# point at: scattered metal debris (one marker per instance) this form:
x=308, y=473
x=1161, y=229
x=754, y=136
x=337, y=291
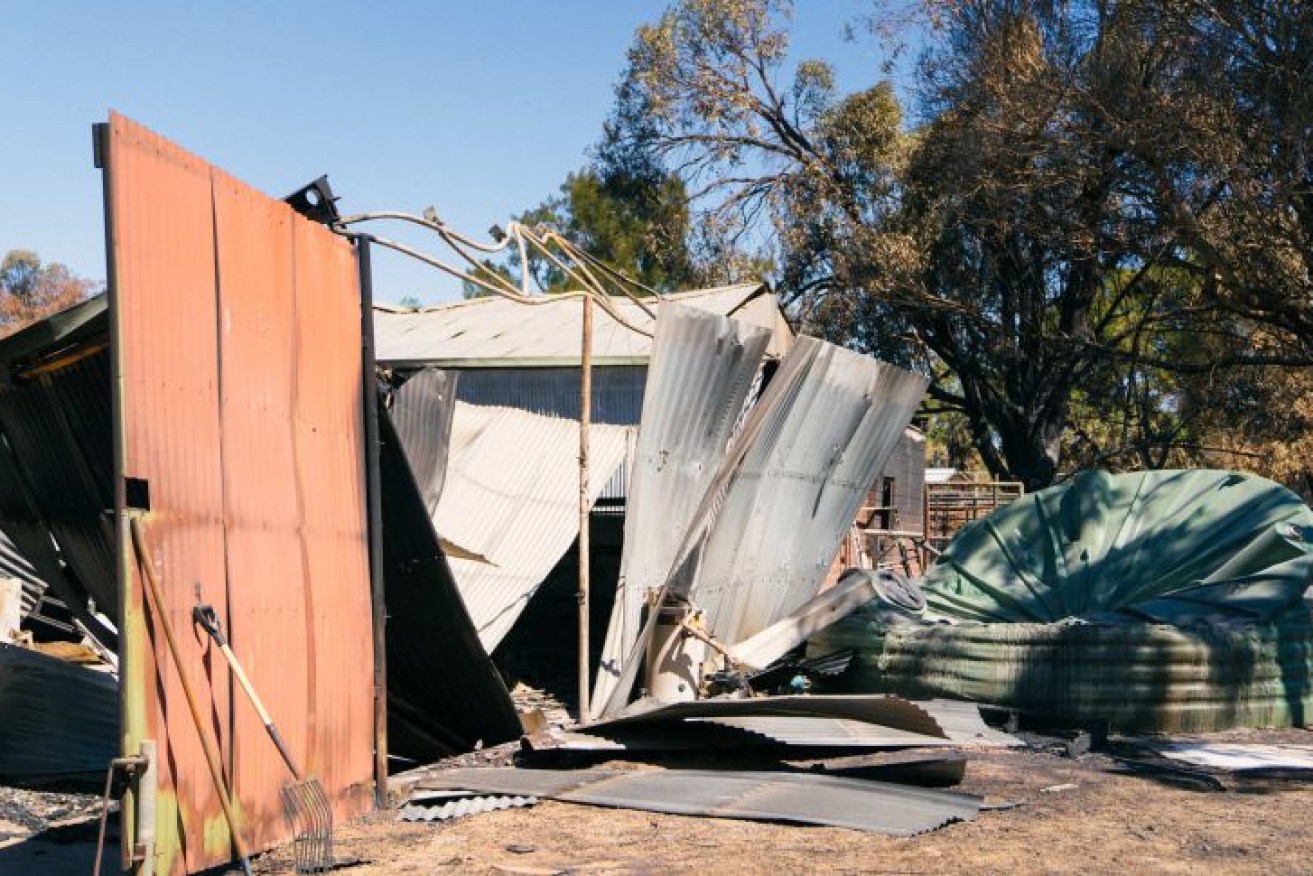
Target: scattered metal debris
x=799, y=798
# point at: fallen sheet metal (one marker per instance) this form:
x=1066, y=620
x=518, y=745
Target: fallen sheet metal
x=448, y=805
x=511, y=495
x=444, y=694
x=57, y=719
x=820, y=442
x=796, y=798
x=701, y=371
x=1237, y=757
x=770, y=522
x=962, y=722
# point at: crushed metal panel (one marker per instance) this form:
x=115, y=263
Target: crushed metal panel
x=702, y=369
x=511, y=495
x=798, y=487
x=57, y=719
x=498, y=333
x=798, y=798
x=771, y=521
x=444, y=694
x=174, y=222
x=422, y=411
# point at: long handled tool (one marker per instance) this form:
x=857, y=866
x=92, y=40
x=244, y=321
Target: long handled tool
x=304, y=801
x=211, y=756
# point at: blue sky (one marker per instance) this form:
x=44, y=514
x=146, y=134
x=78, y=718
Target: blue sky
x=478, y=109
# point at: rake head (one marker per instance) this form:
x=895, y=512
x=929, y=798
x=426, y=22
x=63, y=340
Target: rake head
x=306, y=806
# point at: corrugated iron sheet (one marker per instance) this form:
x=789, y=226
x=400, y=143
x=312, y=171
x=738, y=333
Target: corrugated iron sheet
x=800, y=798
x=444, y=694
x=818, y=444
x=498, y=333
x=57, y=719
x=14, y=565
x=770, y=522
x=58, y=427
x=554, y=392
x=447, y=805
x=235, y=325
x=422, y=411
x=702, y=369
x=511, y=495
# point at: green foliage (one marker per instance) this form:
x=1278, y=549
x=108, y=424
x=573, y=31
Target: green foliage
x=1104, y=209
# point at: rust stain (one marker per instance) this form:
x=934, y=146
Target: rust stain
x=239, y=337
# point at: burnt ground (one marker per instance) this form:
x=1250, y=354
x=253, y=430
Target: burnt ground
x=1085, y=814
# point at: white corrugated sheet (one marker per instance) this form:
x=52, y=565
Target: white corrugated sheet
x=702, y=369
x=511, y=494
x=770, y=521
x=495, y=332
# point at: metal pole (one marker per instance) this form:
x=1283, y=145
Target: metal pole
x=585, y=418
x=374, y=510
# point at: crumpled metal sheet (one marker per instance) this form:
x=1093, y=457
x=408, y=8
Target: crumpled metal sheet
x=511, y=495
x=823, y=431
x=444, y=694
x=448, y=805
x=1161, y=546
x=770, y=522
x=702, y=369
x=797, y=798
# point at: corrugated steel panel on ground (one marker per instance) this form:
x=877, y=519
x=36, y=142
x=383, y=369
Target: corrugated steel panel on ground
x=444, y=694
x=499, y=333
x=877, y=709
x=800, y=798
x=448, y=805
x=57, y=719
x=511, y=494
x=962, y=722
x=242, y=468
x=702, y=369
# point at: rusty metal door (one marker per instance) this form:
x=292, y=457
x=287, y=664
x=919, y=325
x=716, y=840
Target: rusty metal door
x=238, y=416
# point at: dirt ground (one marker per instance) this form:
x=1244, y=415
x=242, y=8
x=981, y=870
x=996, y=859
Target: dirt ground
x=1082, y=815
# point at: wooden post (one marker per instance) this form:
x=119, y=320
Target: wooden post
x=585, y=418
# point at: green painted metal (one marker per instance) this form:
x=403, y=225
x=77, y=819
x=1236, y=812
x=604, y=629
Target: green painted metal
x=1169, y=601
x=1166, y=546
